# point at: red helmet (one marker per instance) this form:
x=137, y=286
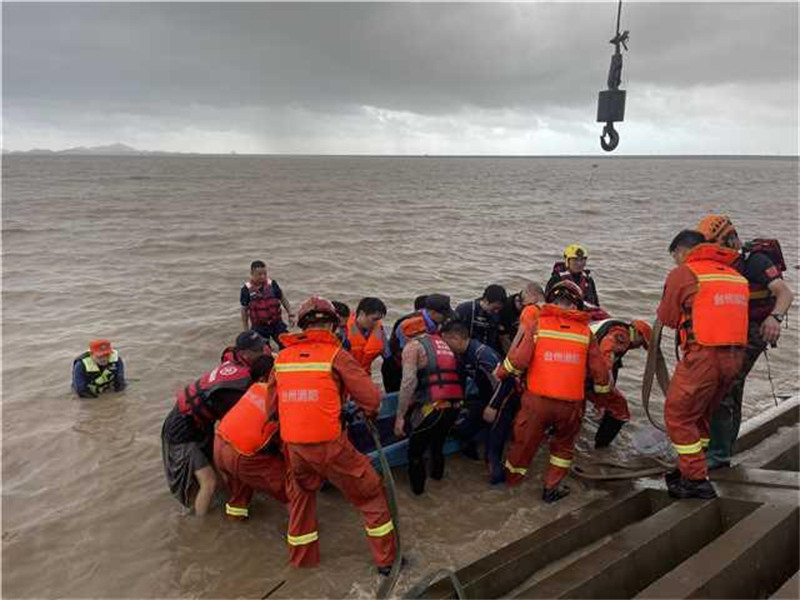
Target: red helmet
x=566, y=289
x=316, y=309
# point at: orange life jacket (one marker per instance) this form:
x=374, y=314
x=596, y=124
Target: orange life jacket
x=309, y=399
x=251, y=423
x=719, y=310
x=414, y=326
x=558, y=366
x=365, y=349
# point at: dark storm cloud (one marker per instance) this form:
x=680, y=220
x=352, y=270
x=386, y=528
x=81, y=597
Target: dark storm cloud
x=163, y=61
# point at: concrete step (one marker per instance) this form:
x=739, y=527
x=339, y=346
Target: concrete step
x=750, y=560
x=643, y=552
x=496, y=574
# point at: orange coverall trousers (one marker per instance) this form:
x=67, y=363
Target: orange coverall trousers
x=350, y=471
x=242, y=475
x=535, y=416
x=701, y=380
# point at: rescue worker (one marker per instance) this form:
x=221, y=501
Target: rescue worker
x=482, y=316
x=429, y=400
x=477, y=362
x=187, y=435
x=616, y=338
x=531, y=294
x=365, y=337
x=98, y=370
x=261, y=299
x=311, y=378
x=573, y=268
x=435, y=311
x=770, y=299
x=248, y=452
x=558, y=352
x=705, y=301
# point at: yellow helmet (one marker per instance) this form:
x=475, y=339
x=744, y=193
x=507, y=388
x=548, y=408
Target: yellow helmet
x=575, y=251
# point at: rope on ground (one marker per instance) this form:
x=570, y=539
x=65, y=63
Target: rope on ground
x=417, y=590
x=387, y=585
x=656, y=368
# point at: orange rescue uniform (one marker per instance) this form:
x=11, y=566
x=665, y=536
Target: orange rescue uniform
x=706, y=300
x=558, y=352
x=247, y=452
x=310, y=378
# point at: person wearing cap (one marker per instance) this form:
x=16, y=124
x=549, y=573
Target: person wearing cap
x=98, y=370
x=532, y=294
x=436, y=310
x=261, y=299
x=558, y=353
x=705, y=301
x=431, y=391
x=482, y=316
x=187, y=436
x=311, y=378
x=761, y=263
x=573, y=268
x=616, y=337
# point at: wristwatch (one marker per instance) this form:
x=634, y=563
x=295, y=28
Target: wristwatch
x=777, y=317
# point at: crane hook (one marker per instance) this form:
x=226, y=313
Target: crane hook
x=613, y=137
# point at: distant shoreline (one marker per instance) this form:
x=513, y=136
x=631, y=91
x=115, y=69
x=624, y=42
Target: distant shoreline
x=159, y=154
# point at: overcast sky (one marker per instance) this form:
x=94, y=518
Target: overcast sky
x=702, y=78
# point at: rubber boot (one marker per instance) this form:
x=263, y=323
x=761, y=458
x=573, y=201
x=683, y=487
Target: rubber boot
x=607, y=431
x=386, y=571
x=693, y=488
x=555, y=494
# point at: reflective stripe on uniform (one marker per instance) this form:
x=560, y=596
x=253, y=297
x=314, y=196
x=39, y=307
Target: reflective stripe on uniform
x=299, y=367
x=380, y=530
x=602, y=389
x=760, y=294
x=705, y=442
x=562, y=335
x=721, y=277
x=688, y=448
x=302, y=540
x=236, y=511
x=560, y=462
x=516, y=470
x=510, y=368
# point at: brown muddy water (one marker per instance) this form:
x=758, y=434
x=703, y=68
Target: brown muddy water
x=151, y=253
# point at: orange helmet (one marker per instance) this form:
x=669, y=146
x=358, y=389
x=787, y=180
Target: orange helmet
x=100, y=348
x=316, y=309
x=567, y=289
x=644, y=330
x=715, y=228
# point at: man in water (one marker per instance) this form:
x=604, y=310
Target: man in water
x=98, y=370
x=261, y=299
x=187, y=436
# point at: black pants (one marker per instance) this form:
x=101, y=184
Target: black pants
x=429, y=434
x=273, y=331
